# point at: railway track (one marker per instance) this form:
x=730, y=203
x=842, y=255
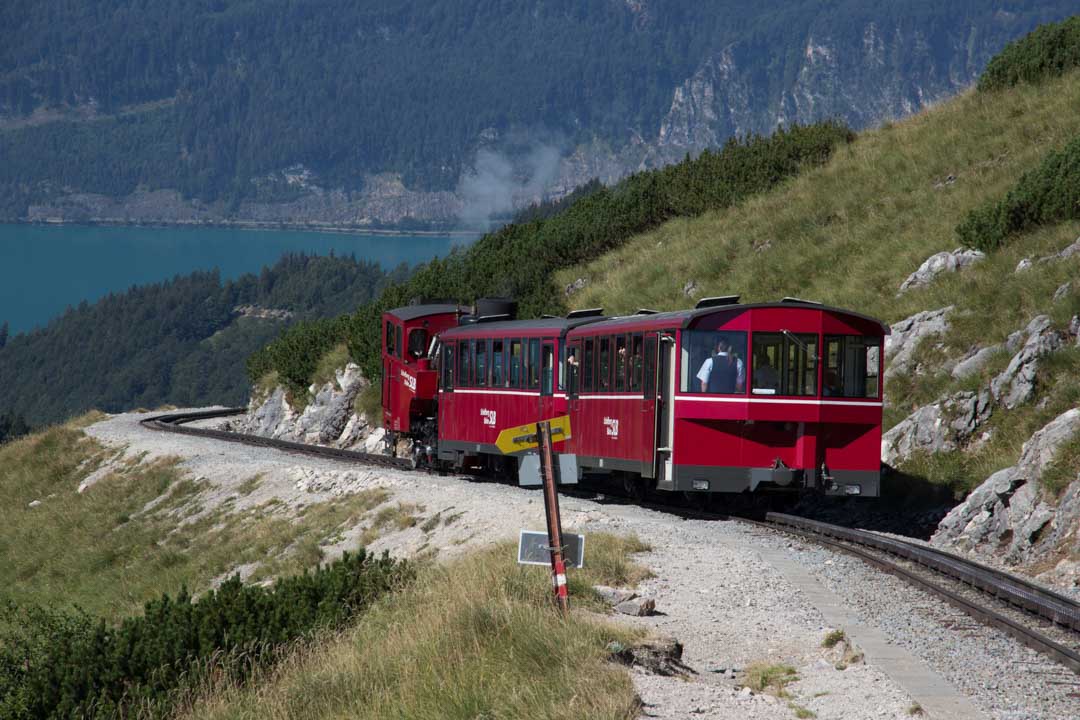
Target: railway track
x=878, y=550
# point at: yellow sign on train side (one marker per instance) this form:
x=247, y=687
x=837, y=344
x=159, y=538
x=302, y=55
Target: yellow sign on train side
x=524, y=437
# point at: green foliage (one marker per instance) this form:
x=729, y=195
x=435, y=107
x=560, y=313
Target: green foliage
x=176, y=342
x=1051, y=50
x=1048, y=194
x=12, y=426
x=519, y=260
x=215, y=99
x=55, y=665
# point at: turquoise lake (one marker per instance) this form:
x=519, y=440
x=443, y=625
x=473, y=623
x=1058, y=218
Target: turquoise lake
x=44, y=270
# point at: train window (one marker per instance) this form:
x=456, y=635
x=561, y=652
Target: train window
x=516, y=363
x=497, y=361
x=418, y=342
x=620, y=363
x=389, y=338
x=801, y=361
x=588, y=364
x=397, y=341
x=534, y=363
x=649, y=384
x=636, y=356
x=464, y=362
x=572, y=368
x=852, y=364
x=447, y=366
x=766, y=363
x=483, y=349
x=713, y=362
x=547, y=369
x=603, y=373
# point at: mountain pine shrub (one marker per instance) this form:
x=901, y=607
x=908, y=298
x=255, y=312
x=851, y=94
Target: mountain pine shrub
x=520, y=259
x=1048, y=194
x=1050, y=50
x=57, y=665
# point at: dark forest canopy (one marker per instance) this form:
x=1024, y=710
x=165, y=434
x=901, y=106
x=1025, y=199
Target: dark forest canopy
x=180, y=341
x=204, y=96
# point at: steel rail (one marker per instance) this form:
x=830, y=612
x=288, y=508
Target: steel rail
x=1028, y=636
x=1009, y=588
x=174, y=423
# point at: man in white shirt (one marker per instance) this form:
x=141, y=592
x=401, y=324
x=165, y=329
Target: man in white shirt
x=722, y=372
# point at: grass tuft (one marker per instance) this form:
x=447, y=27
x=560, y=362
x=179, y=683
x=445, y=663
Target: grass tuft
x=770, y=677
x=833, y=638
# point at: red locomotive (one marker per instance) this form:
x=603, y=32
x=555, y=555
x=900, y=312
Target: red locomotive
x=724, y=398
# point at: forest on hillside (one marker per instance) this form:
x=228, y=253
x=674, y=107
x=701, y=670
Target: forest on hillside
x=212, y=97
x=183, y=341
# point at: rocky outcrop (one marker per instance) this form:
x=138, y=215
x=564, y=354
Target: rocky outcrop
x=939, y=427
x=327, y=419
x=1015, y=385
x=906, y=335
x=1009, y=513
x=942, y=262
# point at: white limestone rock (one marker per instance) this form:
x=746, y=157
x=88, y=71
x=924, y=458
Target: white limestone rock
x=942, y=426
x=1015, y=385
x=939, y=263
x=906, y=335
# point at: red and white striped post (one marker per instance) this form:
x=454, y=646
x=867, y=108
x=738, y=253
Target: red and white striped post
x=554, y=522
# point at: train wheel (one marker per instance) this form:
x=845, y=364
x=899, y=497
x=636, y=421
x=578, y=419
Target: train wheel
x=697, y=500
x=635, y=487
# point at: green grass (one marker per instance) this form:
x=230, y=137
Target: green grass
x=770, y=677
x=848, y=233
x=475, y=638
x=834, y=638
x=141, y=529
x=368, y=403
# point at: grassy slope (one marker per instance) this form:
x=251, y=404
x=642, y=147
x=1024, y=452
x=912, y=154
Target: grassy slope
x=108, y=552
x=850, y=232
x=477, y=638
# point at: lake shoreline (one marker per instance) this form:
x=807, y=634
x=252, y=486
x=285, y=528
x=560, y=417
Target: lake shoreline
x=333, y=229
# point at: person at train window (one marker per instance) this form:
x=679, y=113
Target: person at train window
x=765, y=378
x=831, y=384
x=722, y=372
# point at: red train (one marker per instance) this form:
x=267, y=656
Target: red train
x=724, y=398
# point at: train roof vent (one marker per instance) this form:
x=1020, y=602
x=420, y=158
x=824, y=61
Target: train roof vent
x=494, y=318
x=800, y=301
x=587, y=312
x=646, y=311
x=716, y=301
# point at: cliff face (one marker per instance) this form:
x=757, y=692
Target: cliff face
x=863, y=72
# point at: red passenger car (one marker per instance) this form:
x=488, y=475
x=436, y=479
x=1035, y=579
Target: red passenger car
x=730, y=398
x=496, y=374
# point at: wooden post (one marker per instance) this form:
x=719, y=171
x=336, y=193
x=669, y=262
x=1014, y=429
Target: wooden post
x=554, y=522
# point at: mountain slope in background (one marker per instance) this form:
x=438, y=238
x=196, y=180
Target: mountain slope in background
x=404, y=113
x=183, y=341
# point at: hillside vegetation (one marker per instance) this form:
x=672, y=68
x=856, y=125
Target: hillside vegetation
x=215, y=98
x=849, y=233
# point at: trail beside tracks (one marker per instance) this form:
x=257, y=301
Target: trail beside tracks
x=733, y=594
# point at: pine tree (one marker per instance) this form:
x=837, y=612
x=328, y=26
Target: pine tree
x=3, y=334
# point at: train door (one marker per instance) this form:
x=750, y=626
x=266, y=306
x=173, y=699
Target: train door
x=665, y=411
x=547, y=379
x=643, y=380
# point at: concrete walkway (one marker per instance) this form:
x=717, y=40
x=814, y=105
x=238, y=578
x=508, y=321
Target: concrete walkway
x=937, y=697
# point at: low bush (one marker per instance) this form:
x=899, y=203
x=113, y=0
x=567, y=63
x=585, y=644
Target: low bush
x=1048, y=194
x=55, y=665
x=1050, y=50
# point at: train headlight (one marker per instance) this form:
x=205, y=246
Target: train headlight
x=853, y=489
x=700, y=484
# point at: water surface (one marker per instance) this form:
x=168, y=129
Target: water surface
x=46, y=269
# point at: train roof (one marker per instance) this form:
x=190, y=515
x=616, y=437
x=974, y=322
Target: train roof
x=545, y=326
x=685, y=318
x=413, y=312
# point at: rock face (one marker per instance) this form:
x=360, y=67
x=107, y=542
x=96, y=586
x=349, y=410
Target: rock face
x=942, y=262
x=328, y=418
x=938, y=427
x=1015, y=385
x=906, y=334
x=1008, y=512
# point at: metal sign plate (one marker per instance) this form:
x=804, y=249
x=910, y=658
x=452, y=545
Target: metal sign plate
x=566, y=470
x=533, y=549
x=523, y=437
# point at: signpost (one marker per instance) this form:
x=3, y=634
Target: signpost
x=540, y=435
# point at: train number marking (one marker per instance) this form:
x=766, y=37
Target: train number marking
x=410, y=380
x=611, y=427
x=488, y=417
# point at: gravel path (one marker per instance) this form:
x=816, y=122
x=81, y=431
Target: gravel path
x=712, y=588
